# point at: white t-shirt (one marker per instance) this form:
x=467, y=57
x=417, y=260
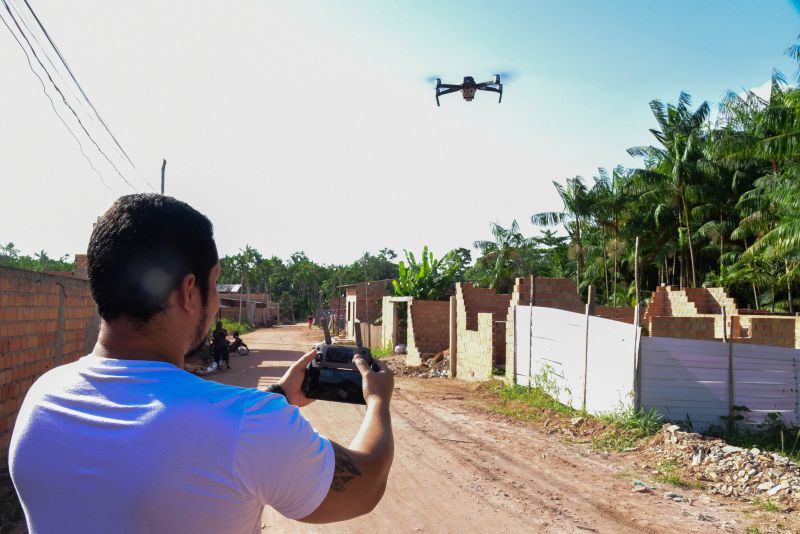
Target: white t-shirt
x=103, y=445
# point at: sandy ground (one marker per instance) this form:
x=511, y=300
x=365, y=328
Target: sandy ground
x=459, y=470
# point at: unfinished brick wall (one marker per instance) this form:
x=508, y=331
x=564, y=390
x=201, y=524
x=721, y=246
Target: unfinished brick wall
x=480, y=343
x=428, y=329
x=484, y=300
x=699, y=307
x=775, y=331
x=559, y=293
x=625, y=314
x=265, y=308
x=365, y=302
x=682, y=327
x=45, y=321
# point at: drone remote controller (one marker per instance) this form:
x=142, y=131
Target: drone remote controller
x=332, y=375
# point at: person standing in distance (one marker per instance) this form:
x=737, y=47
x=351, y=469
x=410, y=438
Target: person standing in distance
x=124, y=440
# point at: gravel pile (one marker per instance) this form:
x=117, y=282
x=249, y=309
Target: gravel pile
x=731, y=471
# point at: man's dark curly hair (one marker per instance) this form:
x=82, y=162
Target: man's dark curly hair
x=140, y=251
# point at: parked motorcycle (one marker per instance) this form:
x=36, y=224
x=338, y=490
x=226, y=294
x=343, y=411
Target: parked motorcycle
x=238, y=346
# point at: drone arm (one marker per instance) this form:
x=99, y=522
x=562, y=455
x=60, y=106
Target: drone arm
x=498, y=89
x=445, y=89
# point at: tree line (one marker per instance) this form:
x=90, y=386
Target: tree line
x=715, y=202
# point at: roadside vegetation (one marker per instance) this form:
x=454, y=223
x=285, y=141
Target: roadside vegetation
x=233, y=326
x=620, y=430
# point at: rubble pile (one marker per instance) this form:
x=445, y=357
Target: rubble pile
x=432, y=366
x=728, y=470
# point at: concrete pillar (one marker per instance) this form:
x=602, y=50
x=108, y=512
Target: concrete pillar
x=453, y=338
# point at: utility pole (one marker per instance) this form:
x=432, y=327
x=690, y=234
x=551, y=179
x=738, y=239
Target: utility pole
x=163, y=169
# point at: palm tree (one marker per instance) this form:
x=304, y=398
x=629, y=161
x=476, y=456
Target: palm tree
x=500, y=258
x=609, y=197
x=575, y=216
x=670, y=170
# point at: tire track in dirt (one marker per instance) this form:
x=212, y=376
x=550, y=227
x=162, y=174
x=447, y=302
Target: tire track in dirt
x=460, y=470
x=544, y=482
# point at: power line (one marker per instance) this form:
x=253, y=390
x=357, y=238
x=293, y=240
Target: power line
x=63, y=98
x=83, y=93
x=52, y=105
x=58, y=71
x=69, y=70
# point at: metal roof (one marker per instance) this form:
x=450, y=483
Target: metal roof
x=229, y=288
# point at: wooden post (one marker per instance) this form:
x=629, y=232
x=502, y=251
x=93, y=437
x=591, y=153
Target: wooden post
x=530, y=333
x=240, y=298
x=591, y=295
x=514, y=351
x=453, y=339
x=726, y=340
x=637, y=361
x=589, y=309
x=636, y=269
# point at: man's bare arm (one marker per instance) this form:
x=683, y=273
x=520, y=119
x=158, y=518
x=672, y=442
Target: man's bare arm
x=362, y=469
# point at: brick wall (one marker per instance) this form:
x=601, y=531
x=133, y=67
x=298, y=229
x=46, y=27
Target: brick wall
x=683, y=327
x=483, y=300
x=475, y=346
x=428, y=329
x=775, y=331
x=625, y=314
x=559, y=293
x=366, y=299
x=45, y=321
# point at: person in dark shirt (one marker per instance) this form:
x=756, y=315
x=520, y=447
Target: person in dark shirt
x=220, y=336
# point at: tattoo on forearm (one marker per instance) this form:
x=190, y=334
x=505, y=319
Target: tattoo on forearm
x=345, y=470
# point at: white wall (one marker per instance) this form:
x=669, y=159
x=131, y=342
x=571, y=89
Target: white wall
x=604, y=367
x=685, y=377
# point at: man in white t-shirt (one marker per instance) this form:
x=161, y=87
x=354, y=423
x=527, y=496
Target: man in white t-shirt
x=125, y=441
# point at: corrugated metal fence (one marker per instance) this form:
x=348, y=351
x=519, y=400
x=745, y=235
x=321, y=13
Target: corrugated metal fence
x=591, y=363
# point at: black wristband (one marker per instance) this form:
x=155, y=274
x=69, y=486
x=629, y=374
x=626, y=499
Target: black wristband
x=275, y=388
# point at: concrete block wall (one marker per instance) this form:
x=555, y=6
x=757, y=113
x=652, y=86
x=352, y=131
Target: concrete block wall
x=625, y=314
x=559, y=293
x=483, y=300
x=45, y=321
x=388, y=317
x=476, y=344
x=428, y=329
x=775, y=331
x=682, y=327
x=365, y=300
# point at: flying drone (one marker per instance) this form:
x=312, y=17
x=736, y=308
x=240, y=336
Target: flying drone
x=468, y=88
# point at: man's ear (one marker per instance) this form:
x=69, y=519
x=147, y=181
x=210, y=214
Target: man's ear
x=187, y=294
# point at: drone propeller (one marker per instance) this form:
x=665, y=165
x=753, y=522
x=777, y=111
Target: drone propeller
x=506, y=76
x=432, y=79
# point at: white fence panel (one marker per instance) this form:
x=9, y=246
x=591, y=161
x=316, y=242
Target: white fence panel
x=764, y=381
x=522, y=343
x=559, y=352
x=685, y=379
x=611, y=362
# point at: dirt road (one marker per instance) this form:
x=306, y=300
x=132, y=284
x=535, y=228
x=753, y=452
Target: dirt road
x=458, y=470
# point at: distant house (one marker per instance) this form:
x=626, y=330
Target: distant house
x=363, y=302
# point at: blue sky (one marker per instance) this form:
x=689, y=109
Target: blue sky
x=309, y=126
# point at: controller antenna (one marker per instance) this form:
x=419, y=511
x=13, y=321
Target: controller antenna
x=359, y=340
x=327, y=332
